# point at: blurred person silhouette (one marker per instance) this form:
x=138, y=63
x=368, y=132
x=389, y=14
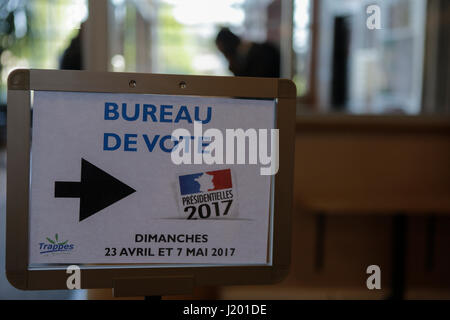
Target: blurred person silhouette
x=248, y=59
x=72, y=58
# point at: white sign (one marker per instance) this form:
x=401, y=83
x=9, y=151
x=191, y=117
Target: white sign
x=104, y=188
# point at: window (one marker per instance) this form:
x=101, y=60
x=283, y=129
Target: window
x=177, y=36
x=301, y=44
x=35, y=33
x=368, y=71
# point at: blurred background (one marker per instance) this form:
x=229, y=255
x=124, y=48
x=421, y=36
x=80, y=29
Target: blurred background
x=372, y=170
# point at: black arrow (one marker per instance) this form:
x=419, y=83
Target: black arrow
x=96, y=190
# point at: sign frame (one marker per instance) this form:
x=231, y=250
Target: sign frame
x=134, y=280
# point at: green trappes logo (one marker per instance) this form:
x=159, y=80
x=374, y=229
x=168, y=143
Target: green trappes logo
x=55, y=246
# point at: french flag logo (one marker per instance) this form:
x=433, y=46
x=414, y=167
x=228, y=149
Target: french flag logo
x=205, y=182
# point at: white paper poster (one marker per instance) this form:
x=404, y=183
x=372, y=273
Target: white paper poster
x=104, y=188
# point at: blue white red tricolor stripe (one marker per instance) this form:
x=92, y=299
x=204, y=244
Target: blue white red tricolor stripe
x=205, y=181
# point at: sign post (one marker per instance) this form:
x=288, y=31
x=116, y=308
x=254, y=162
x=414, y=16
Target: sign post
x=151, y=184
